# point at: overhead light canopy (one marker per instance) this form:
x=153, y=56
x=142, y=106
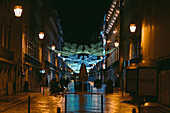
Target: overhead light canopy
x=18, y=10
x=132, y=28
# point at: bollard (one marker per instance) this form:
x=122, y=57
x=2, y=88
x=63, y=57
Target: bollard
x=75, y=88
x=91, y=90
x=139, y=108
x=133, y=110
x=28, y=103
x=101, y=103
x=65, y=103
x=43, y=89
x=40, y=88
x=58, y=110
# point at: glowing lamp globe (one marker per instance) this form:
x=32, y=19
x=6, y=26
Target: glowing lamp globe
x=18, y=10
x=116, y=44
x=53, y=47
x=59, y=54
x=41, y=35
x=132, y=28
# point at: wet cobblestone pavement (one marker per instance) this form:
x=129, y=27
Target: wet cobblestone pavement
x=80, y=103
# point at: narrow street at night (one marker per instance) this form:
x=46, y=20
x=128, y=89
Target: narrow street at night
x=91, y=56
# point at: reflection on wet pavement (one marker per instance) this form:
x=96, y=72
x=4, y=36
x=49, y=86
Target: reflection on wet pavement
x=76, y=103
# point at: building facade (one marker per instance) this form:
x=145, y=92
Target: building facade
x=23, y=55
x=146, y=49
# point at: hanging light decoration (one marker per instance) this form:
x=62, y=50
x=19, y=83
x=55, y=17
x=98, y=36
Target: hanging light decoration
x=41, y=35
x=18, y=10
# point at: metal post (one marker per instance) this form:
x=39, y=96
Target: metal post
x=58, y=110
x=101, y=103
x=21, y=78
x=122, y=84
x=65, y=103
x=139, y=107
x=28, y=103
x=43, y=84
x=75, y=87
x=91, y=90
x=40, y=87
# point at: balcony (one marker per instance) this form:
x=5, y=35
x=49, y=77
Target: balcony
x=6, y=54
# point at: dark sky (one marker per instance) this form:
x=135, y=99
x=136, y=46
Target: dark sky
x=81, y=19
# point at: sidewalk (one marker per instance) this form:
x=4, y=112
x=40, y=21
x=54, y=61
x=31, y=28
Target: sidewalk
x=81, y=102
x=9, y=101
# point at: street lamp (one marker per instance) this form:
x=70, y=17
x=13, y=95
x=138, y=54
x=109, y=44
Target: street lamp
x=53, y=47
x=116, y=43
x=132, y=28
x=18, y=10
x=41, y=35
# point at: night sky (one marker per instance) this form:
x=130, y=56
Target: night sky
x=81, y=19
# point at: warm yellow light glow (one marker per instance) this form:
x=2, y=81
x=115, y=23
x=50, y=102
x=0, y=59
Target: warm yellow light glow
x=114, y=18
x=41, y=35
x=117, y=11
x=116, y=44
x=116, y=15
x=18, y=10
x=111, y=9
x=59, y=54
x=113, y=6
x=146, y=104
x=110, y=12
x=108, y=41
x=132, y=28
x=114, y=2
x=114, y=31
x=53, y=47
